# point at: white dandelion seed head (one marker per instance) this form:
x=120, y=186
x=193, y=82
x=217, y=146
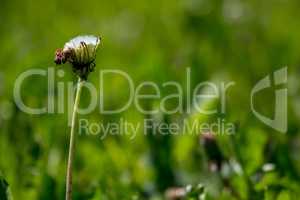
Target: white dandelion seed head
x=89, y=40
x=81, y=53
x=83, y=49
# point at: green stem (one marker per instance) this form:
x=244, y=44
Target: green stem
x=72, y=141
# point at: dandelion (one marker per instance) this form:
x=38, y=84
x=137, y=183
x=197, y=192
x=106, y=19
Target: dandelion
x=80, y=52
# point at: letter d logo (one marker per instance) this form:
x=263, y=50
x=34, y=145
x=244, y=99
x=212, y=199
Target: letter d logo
x=279, y=122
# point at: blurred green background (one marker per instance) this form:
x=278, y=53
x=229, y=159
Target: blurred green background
x=220, y=40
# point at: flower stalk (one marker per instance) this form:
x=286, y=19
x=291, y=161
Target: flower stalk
x=80, y=52
x=72, y=141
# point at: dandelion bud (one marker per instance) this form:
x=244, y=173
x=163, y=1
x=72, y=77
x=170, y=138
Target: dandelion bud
x=59, y=57
x=81, y=53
